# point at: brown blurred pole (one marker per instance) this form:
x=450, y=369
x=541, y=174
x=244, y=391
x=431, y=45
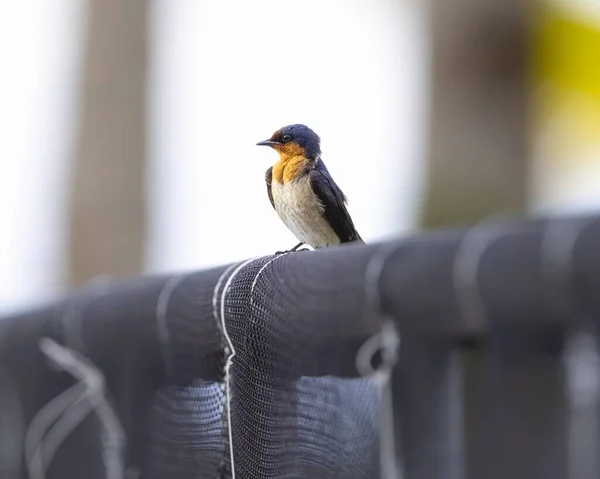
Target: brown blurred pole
x=478, y=148
x=108, y=217
x=478, y=153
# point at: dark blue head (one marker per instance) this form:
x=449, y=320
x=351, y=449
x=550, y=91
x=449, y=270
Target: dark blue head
x=295, y=140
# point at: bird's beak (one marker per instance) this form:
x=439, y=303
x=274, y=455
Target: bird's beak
x=268, y=143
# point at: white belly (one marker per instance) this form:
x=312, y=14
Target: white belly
x=302, y=213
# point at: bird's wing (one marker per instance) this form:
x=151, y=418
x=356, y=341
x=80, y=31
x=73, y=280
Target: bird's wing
x=269, y=179
x=334, y=203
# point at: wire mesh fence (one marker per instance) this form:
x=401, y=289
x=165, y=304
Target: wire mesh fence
x=276, y=366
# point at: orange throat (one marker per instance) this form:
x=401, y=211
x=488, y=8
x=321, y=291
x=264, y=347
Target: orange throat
x=288, y=168
x=292, y=160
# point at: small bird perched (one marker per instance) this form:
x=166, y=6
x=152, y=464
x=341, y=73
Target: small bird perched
x=303, y=193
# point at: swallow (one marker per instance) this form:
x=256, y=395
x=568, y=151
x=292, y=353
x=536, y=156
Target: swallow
x=303, y=193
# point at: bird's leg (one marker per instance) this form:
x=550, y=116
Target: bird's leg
x=295, y=248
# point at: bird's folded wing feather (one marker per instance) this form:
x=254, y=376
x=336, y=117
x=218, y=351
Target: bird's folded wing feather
x=269, y=179
x=334, y=203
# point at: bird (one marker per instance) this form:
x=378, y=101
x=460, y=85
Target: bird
x=303, y=193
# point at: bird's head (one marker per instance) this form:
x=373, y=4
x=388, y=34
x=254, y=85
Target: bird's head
x=295, y=140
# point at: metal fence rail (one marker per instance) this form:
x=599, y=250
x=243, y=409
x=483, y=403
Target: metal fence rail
x=251, y=371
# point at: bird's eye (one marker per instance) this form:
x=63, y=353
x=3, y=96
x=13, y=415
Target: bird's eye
x=286, y=138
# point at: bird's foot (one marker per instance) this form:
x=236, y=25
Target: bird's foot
x=295, y=248
x=291, y=251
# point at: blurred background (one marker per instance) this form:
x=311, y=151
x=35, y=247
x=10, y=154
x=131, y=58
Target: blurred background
x=129, y=127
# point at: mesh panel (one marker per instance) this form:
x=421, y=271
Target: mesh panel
x=339, y=417
x=186, y=432
x=148, y=361
x=297, y=429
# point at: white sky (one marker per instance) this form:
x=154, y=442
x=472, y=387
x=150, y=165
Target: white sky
x=229, y=73
x=39, y=44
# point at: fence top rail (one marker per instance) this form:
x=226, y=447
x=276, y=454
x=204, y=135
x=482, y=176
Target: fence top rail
x=453, y=284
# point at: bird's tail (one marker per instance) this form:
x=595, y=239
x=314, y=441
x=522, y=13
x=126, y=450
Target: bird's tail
x=358, y=239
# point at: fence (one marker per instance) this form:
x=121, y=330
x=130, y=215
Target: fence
x=260, y=369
